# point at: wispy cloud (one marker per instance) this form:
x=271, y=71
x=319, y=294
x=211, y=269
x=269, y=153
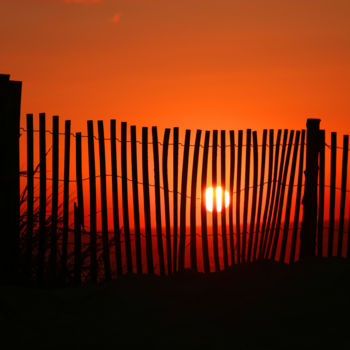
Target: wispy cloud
x=116, y=18
x=82, y=1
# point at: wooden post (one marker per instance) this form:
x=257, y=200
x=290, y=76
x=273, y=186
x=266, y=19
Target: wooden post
x=79, y=177
x=309, y=224
x=332, y=193
x=232, y=178
x=175, y=195
x=223, y=208
x=238, y=195
x=77, y=246
x=320, y=236
x=215, y=212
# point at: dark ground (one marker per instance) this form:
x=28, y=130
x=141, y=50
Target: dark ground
x=255, y=306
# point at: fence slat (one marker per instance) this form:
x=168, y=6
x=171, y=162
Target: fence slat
x=104, y=217
x=255, y=194
x=118, y=251
x=296, y=230
x=182, y=240
x=30, y=196
x=157, y=198
x=175, y=195
x=332, y=192
x=223, y=207
x=320, y=222
x=246, y=194
x=135, y=193
x=261, y=192
x=203, y=204
x=166, y=200
x=263, y=234
x=215, y=213
x=92, y=186
x=276, y=230
x=77, y=245
x=232, y=178
x=79, y=177
x=145, y=180
x=289, y=199
x=238, y=195
x=193, y=242
x=126, y=225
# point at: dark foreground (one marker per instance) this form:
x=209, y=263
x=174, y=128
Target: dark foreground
x=256, y=306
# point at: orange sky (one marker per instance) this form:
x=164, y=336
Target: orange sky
x=188, y=63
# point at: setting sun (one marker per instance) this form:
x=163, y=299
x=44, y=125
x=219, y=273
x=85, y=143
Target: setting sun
x=209, y=198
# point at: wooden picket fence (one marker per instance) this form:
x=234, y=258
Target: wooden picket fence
x=169, y=228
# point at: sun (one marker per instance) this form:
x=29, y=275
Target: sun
x=209, y=198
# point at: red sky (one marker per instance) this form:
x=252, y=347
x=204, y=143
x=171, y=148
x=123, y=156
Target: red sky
x=188, y=63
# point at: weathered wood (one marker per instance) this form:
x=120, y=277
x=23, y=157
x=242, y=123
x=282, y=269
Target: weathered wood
x=77, y=245
x=293, y=249
x=320, y=221
x=30, y=196
x=205, y=249
x=118, y=251
x=215, y=213
x=79, y=177
x=135, y=194
x=332, y=192
x=157, y=198
x=126, y=225
x=166, y=200
x=261, y=192
x=238, y=195
x=223, y=208
x=104, y=217
x=146, y=201
x=254, y=198
x=92, y=189
x=343, y=194
x=175, y=195
x=232, y=178
x=42, y=202
x=289, y=199
x=182, y=240
x=193, y=239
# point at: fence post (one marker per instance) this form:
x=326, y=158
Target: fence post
x=309, y=223
x=10, y=104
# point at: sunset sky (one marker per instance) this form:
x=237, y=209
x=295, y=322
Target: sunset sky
x=190, y=63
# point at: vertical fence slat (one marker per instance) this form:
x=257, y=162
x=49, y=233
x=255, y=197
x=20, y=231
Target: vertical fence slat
x=117, y=242
x=261, y=192
x=343, y=194
x=289, y=198
x=320, y=222
x=238, y=195
x=67, y=130
x=126, y=225
x=42, y=203
x=280, y=200
x=166, y=199
x=232, y=178
x=135, y=193
x=104, y=217
x=246, y=194
x=30, y=196
x=92, y=186
x=332, y=192
x=182, y=240
x=146, y=201
x=293, y=248
x=255, y=194
x=175, y=194
x=263, y=234
x=54, y=198
x=215, y=213
x=77, y=245
x=79, y=177
x=223, y=207
x=203, y=203
x=193, y=242
x=157, y=198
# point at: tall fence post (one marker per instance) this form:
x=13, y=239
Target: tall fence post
x=309, y=223
x=10, y=105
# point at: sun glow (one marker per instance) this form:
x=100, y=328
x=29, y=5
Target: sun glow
x=209, y=198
